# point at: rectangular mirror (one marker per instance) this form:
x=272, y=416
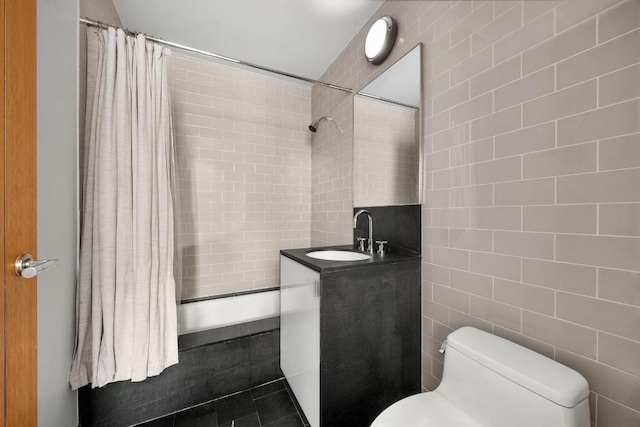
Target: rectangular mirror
x=387, y=136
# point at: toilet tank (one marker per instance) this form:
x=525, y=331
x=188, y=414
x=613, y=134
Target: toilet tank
x=502, y=384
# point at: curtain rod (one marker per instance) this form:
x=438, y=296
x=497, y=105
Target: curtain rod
x=98, y=24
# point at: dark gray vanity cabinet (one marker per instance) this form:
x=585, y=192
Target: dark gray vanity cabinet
x=369, y=321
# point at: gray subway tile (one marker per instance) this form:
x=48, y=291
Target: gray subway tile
x=611, y=413
x=529, y=35
x=496, y=312
x=477, y=240
x=472, y=109
x=479, y=62
x=534, y=298
x=620, y=286
x=497, y=76
x=603, y=251
x=472, y=283
x=498, y=28
x=529, y=192
x=561, y=219
x=571, y=12
x=622, y=219
x=570, y=160
x=507, y=267
x=600, y=187
x=531, y=245
x=579, y=279
x=496, y=218
x=620, y=86
x=473, y=195
x=536, y=138
x=474, y=152
x=524, y=89
x=496, y=123
x=619, y=319
x=619, y=153
x=507, y=169
x=451, y=217
x=618, y=20
x=451, y=298
x=562, y=103
x=454, y=258
x=562, y=334
x=619, y=352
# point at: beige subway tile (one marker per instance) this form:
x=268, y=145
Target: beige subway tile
x=525, y=341
x=563, y=45
x=474, y=195
x=503, y=266
x=497, y=76
x=436, y=274
x=574, y=278
x=570, y=13
x=435, y=311
x=436, y=199
x=497, y=29
x=530, y=192
x=602, y=59
x=619, y=319
x=561, y=219
x=507, y=169
x=472, y=109
x=562, y=334
x=479, y=62
x=603, y=251
x=535, y=8
x=496, y=312
x=472, y=23
x=458, y=319
x=618, y=20
x=497, y=123
x=529, y=35
x=601, y=187
x=613, y=414
x=433, y=14
x=622, y=219
x=435, y=236
x=619, y=352
x=536, y=138
x=496, y=218
x=620, y=86
x=451, y=298
x=570, y=101
x=604, y=380
x=561, y=161
x=472, y=283
x=453, y=56
x=437, y=160
x=529, y=297
x=452, y=17
x=450, y=138
x=476, y=240
x=619, y=153
x=524, y=89
x=454, y=258
x=620, y=286
x=500, y=7
x=450, y=97
x=531, y=245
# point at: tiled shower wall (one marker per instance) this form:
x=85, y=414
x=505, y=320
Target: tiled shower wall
x=386, y=153
x=531, y=219
x=332, y=169
x=244, y=161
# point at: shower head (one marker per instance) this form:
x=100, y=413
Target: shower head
x=314, y=126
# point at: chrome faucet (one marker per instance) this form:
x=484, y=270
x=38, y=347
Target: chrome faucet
x=355, y=223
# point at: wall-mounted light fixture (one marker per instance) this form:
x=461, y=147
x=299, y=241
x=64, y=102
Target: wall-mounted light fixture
x=380, y=39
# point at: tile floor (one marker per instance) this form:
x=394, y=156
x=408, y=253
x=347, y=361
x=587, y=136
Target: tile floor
x=269, y=405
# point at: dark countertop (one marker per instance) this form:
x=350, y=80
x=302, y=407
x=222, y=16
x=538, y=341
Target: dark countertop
x=323, y=266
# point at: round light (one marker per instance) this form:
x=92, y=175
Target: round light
x=380, y=39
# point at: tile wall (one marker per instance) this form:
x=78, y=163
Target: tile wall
x=386, y=153
x=332, y=169
x=244, y=162
x=531, y=214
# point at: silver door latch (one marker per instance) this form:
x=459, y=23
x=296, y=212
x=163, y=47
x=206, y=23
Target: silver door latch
x=27, y=267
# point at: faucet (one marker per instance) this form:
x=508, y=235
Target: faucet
x=355, y=223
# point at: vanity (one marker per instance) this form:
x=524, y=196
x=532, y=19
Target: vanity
x=350, y=332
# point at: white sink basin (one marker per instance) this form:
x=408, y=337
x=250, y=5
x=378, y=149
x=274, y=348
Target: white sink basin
x=338, y=255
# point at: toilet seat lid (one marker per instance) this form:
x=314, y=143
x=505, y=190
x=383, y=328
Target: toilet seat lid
x=424, y=410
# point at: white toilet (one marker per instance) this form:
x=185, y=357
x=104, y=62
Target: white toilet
x=491, y=382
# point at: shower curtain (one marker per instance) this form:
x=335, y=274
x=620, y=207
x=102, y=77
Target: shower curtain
x=126, y=326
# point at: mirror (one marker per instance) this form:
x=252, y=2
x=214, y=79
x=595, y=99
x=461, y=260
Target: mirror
x=386, y=136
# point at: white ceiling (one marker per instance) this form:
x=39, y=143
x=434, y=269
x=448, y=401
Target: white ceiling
x=301, y=37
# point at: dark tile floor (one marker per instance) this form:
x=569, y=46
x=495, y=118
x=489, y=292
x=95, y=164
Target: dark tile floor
x=269, y=405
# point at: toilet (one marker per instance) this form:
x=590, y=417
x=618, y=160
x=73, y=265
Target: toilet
x=491, y=382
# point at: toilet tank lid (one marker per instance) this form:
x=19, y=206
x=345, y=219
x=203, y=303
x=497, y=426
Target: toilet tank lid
x=529, y=369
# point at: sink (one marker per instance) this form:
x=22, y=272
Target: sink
x=329, y=255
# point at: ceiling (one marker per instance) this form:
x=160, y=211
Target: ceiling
x=301, y=37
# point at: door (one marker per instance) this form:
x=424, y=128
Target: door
x=18, y=337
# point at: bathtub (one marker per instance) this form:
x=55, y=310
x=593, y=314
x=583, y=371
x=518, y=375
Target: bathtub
x=225, y=311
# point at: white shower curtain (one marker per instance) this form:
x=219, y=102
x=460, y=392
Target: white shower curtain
x=126, y=325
